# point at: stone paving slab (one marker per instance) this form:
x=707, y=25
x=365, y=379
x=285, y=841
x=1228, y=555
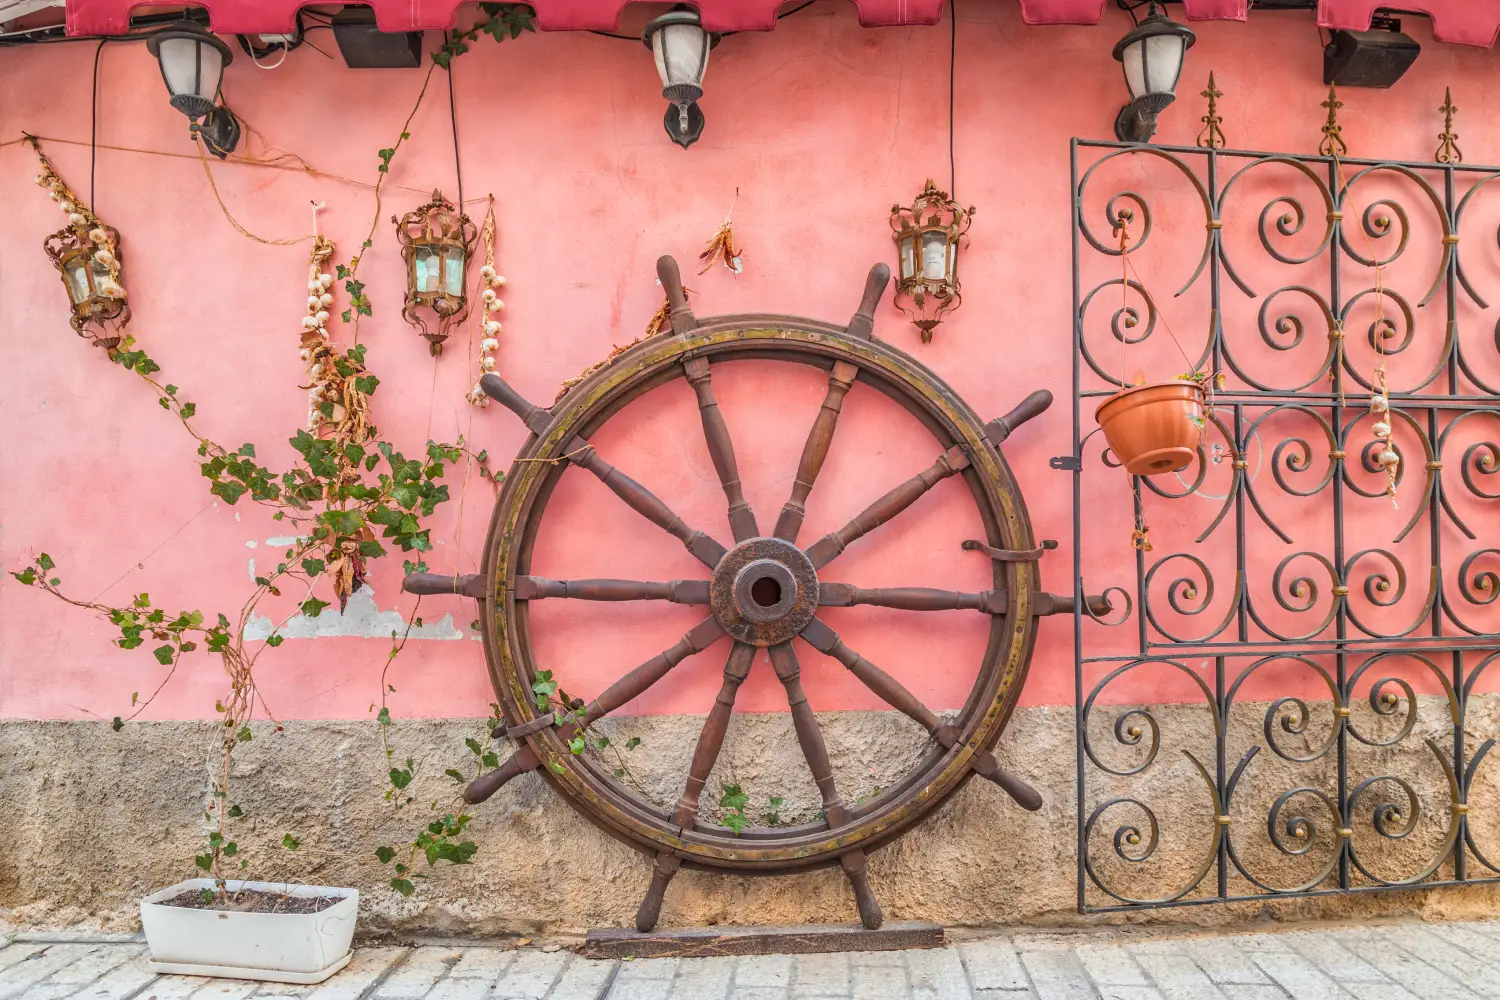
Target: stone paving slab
x=1378, y=961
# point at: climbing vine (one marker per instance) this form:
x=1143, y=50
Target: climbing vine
x=352, y=497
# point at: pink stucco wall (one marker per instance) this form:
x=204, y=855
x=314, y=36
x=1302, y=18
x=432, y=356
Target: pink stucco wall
x=820, y=125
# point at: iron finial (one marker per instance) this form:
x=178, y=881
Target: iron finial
x=1333, y=141
x=1212, y=137
x=1448, y=151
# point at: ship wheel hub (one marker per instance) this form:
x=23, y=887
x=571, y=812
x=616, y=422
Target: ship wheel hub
x=764, y=591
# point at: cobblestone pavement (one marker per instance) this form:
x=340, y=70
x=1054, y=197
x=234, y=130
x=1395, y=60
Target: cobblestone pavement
x=1385, y=961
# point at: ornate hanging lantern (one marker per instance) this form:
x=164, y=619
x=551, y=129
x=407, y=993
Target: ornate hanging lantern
x=91, y=273
x=927, y=236
x=86, y=253
x=436, y=241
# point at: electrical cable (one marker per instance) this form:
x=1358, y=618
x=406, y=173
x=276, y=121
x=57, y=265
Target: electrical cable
x=94, y=121
x=458, y=167
x=952, y=76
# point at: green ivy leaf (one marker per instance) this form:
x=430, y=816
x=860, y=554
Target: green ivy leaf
x=204, y=861
x=312, y=607
x=116, y=724
x=235, y=812
x=289, y=842
x=400, y=778
x=733, y=797
x=632, y=743
x=273, y=640
x=187, y=410
x=385, y=854
x=455, y=775
x=402, y=886
x=163, y=654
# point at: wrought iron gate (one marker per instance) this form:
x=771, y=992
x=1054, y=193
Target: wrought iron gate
x=1325, y=731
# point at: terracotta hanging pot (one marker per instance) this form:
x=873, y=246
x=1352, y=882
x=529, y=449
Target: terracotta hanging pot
x=1153, y=429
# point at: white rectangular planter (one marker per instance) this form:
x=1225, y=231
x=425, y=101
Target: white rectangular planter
x=275, y=947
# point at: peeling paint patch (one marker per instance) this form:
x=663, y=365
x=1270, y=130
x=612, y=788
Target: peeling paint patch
x=362, y=618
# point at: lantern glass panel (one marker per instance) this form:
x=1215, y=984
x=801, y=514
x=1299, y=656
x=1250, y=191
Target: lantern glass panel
x=1153, y=64
x=453, y=271
x=183, y=71
x=425, y=263
x=935, y=254
x=75, y=276
x=104, y=282
x=681, y=52
x=908, y=256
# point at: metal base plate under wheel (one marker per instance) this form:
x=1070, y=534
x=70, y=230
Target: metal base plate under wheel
x=762, y=591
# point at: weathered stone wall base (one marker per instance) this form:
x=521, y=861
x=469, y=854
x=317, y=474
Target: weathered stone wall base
x=91, y=819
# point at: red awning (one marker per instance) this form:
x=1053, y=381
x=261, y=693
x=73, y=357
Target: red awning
x=1471, y=22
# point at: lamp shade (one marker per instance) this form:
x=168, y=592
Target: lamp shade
x=1152, y=54
x=681, y=46
x=192, y=62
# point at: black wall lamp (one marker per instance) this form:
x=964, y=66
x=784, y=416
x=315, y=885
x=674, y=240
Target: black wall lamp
x=681, y=48
x=1152, y=55
x=192, y=65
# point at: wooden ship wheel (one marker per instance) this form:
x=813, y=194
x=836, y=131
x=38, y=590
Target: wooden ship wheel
x=762, y=592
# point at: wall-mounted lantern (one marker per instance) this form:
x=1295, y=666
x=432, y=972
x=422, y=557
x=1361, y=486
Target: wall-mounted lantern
x=436, y=240
x=192, y=65
x=681, y=47
x=927, y=236
x=1151, y=54
x=89, y=262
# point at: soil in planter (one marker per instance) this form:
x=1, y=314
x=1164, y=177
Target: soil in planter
x=252, y=901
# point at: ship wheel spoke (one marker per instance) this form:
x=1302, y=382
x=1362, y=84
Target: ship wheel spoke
x=895, y=694
x=721, y=450
x=711, y=738
x=819, y=438
x=635, y=683
x=826, y=548
x=887, y=688
x=585, y=455
x=705, y=549
x=809, y=734
x=843, y=595
x=534, y=588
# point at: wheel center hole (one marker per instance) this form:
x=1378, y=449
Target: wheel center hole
x=766, y=592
